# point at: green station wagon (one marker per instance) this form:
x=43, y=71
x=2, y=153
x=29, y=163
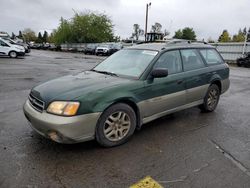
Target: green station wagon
x=128, y=89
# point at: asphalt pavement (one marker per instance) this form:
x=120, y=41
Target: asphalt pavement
x=188, y=149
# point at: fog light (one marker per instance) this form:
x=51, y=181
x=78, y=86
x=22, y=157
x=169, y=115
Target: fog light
x=53, y=136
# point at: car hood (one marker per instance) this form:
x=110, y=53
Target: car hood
x=102, y=48
x=73, y=86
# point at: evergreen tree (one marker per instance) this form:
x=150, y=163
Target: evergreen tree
x=39, y=38
x=13, y=36
x=186, y=33
x=45, y=37
x=224, y=37
x=20, y=35
x=178, y=34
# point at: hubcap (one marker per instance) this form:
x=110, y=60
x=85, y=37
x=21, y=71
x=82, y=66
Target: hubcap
x=12, y=54
x=212, y=98
x=117, y=126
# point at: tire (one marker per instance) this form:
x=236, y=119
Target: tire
x=211, y=99
x=12, y=54
x=116, y=125
x=239, y=63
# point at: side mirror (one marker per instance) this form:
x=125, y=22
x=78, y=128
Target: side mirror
x=159, y=72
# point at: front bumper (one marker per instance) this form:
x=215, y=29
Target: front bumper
x=27, y=50
x=62, y=129
x=20, y=53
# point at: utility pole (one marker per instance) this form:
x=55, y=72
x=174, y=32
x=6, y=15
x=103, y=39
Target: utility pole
x=146, y=24
x=245, y=42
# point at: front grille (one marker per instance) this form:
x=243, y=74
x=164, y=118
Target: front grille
x=36, y=103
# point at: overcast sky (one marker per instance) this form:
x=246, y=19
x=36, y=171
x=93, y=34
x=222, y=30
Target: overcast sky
x=208, y=18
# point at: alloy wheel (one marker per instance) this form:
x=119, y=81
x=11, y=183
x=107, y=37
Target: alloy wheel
x=117, y=126
x=212, y=99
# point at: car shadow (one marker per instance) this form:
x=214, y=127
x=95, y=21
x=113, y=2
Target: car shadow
x=7, y=57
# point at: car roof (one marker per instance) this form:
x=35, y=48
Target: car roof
x=173, y=44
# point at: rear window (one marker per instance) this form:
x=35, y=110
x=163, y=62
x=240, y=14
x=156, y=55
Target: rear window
x=211, y=56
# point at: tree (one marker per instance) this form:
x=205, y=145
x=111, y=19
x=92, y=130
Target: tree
x=39, y=38
x=13, y=36
x=224, y=37
x=248, y=35
x=245, y=31
x=20, y=35
x=45, y=36
x=51, y=37
x=240, y=37
x=178, y=34
x=86, y=28
x=187, y=33
x=137, y=31
x=29, y=35
x=156, y=28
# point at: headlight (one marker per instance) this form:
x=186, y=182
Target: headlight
x=63, y=108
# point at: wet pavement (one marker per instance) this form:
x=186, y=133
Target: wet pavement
x=187, y=149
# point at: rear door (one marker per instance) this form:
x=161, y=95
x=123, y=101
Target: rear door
x=165, y=93
x=195, y=69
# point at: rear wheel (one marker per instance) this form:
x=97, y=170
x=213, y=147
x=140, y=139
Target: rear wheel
x=211, y=99
x=13, y=54
x=116, y=125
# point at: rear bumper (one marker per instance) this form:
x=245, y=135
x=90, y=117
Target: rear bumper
x=62, y=129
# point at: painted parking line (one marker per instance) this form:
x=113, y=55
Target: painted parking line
x=146, y=182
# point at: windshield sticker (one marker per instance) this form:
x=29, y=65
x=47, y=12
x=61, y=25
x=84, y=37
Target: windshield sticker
x=149, y=52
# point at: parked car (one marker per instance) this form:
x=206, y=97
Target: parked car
x=12, y=50
x=128, y=89
x=103, y=49
x=54, y=47
x=90, y=49
x=115, y=47
x=26, y=46
x=36, y=46
x=244, y=61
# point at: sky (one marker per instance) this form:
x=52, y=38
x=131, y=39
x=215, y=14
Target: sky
x=208, y=18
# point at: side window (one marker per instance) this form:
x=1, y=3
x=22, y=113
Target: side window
x=3, y=43
x=170, y=60
x=211, y=56
x=191, y=59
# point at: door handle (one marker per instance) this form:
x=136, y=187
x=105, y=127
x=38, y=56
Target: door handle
x=179, y=81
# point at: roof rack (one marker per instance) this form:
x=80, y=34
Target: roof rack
x=179, y=41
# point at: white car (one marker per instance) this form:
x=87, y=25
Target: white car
x=12, y=50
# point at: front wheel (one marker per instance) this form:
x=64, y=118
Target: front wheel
x=116, y=125
x=13, y=54
x=211, y=99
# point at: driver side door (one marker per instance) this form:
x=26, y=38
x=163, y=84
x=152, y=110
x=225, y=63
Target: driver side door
x=4, y=48
x=165, y=93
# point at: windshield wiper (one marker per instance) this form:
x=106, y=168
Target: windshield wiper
x=105, y=72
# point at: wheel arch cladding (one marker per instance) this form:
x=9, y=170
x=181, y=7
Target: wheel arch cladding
x=134, y=106
x=218, y=83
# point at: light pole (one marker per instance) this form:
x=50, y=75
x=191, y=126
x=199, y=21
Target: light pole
x=146, y=24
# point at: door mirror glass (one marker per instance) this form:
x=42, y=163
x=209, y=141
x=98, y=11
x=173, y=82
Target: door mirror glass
x=159, y=72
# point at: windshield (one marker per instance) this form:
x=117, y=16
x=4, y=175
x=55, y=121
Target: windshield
x=10, y=41
x=128, y=62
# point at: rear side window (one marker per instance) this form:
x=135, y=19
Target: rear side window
x=191, y=59
x=211, y=56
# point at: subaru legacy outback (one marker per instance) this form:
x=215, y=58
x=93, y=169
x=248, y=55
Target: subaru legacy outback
x=128, y=89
